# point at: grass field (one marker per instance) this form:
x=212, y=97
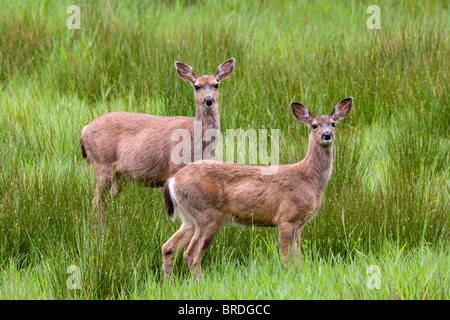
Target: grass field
x=386, y=205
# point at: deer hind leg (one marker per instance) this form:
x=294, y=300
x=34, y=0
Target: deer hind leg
x=287, y=238
x=98, y=201
x=115, y=187
x=190, y=251
x=201, y=240
x=105, y=183
x=176, y=243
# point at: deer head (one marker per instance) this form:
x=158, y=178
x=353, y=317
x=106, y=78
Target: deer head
x=206, y=87
x=323, y=127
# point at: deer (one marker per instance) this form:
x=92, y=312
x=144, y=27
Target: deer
x=209, y=195
x=125, y=146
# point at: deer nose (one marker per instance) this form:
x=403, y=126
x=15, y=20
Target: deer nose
x=327, y=135
x=209, y=101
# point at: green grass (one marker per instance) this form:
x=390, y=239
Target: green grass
x=387, y=203
x=418, y=274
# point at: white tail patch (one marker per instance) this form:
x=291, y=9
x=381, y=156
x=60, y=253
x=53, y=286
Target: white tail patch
x=187, y=219
x=172, y=196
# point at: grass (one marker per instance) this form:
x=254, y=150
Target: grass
x=386, y=204
x=418, y=274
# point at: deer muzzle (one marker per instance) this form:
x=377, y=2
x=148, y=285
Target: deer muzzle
x=327, y=136
x=209, y=101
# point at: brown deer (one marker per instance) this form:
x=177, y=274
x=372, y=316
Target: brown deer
x=208, y=195
x=124, y=146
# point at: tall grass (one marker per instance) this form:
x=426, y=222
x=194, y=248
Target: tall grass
x=390, y=183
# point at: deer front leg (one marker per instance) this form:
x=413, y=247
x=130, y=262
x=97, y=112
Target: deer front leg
x=296, y=250
x=286, y=240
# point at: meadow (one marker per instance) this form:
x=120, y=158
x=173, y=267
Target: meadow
x=388, y=200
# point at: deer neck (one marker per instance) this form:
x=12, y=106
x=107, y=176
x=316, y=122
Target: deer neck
x=209, y=117
x=318, y=164
x=205, y=119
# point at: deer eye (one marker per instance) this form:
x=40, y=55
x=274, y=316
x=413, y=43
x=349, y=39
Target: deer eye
x=196, y=87
x=314, y=126
x=216, y=86
x=333, y=124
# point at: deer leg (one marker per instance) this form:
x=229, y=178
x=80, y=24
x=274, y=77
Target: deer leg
x=202, y=239
x=296, y=250
x=286, y=240
x=115, y=188
x=176, y=243
x=98, y=201
x=190, y=251
x=105, y=177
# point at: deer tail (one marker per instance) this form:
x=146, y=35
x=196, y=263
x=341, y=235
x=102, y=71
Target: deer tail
x=169, y=201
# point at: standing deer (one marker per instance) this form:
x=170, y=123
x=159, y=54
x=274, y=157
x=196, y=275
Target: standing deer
x=125, y=146
x=208, y=195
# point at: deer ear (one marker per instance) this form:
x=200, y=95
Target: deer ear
x=301, y=113
x=342, y=109
x=185, y=72
x=224, y=70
